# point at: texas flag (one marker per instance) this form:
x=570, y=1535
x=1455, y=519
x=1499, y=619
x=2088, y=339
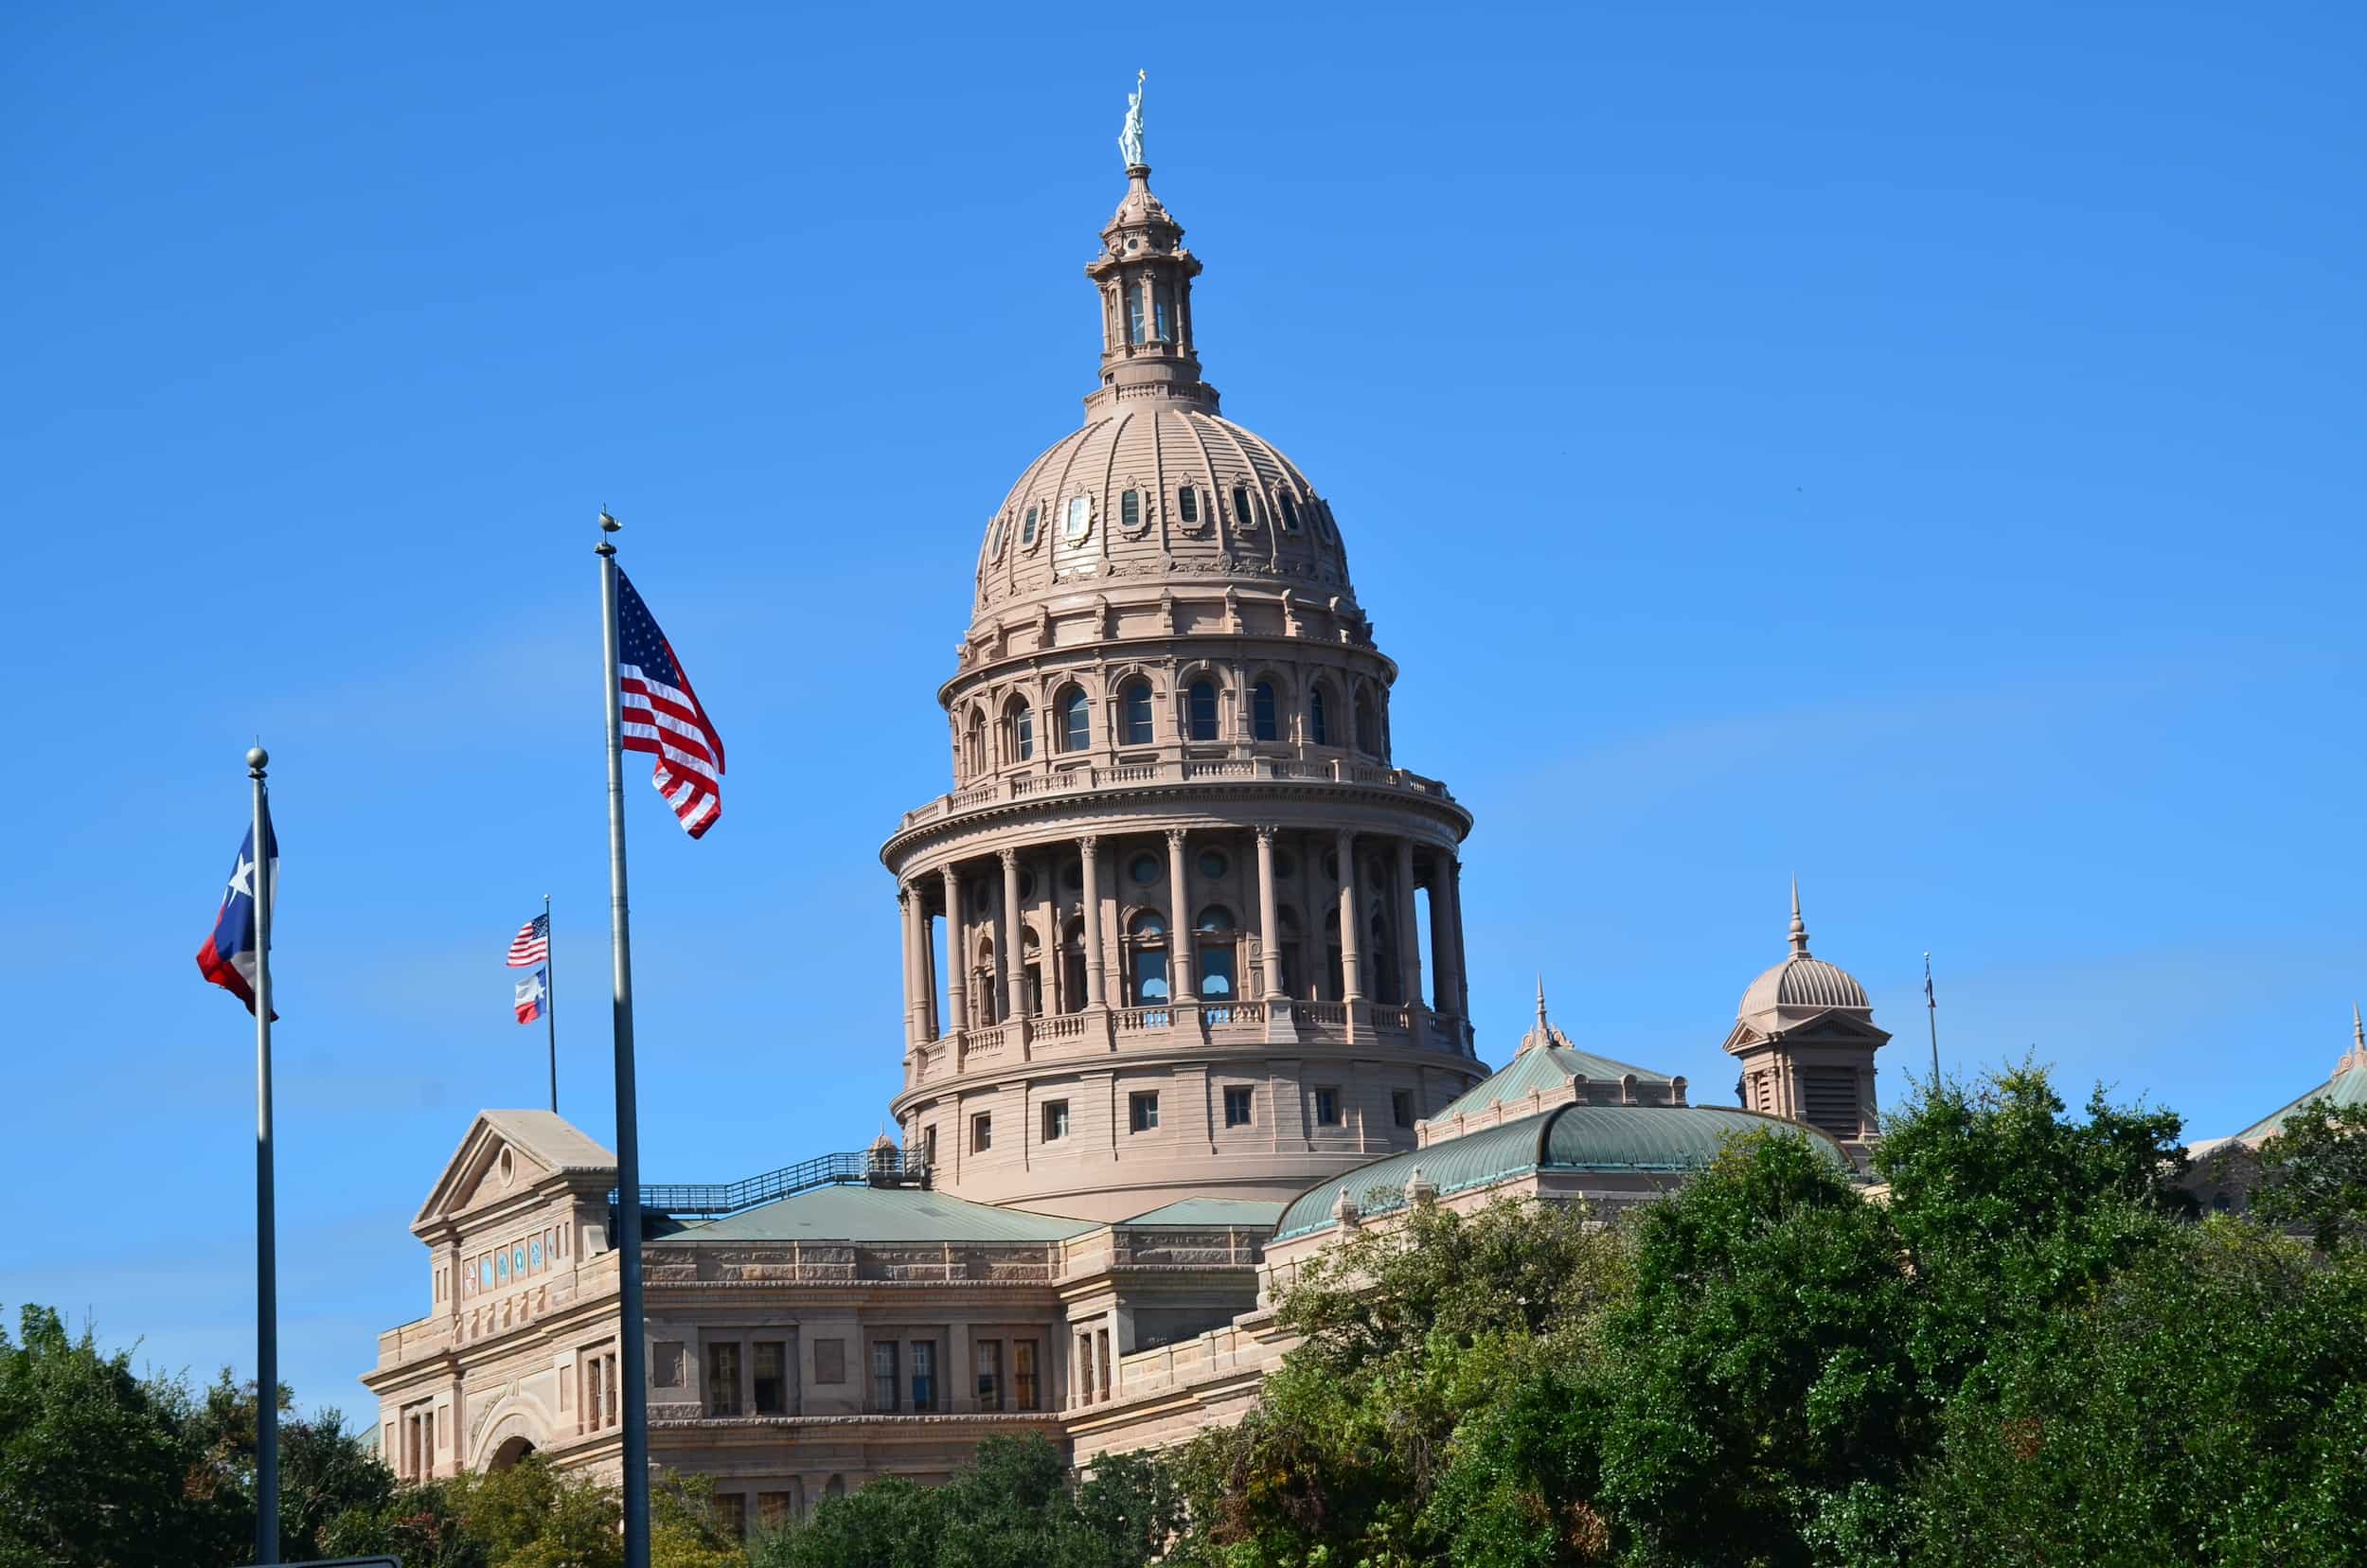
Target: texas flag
x=532, y=997
x=228, y=958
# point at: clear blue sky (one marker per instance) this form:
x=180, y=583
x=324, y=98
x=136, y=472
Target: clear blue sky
x=1919, y=454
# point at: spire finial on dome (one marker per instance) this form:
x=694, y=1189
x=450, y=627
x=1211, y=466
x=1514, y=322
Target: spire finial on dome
x=1145, y=277
x=2357, y=1054
x=1540, y=1000
x=1799, y=931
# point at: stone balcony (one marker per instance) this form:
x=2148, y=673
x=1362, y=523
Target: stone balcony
x=1188, y=1026
x=1336, y=772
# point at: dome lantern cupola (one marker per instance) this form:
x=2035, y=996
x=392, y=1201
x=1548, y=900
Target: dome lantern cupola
x=1144, y=275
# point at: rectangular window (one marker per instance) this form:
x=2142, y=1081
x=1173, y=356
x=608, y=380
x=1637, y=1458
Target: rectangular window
x=924, y=1375
x=1326, y=1106
x=1024, y=725
x=1237, y=1107
x=774, y=1511
x=666, y=1362
x=981, y=1133
x=1187, y=504
x=990, y=1374
x=731, y=1513
x=1241, y=514
x=772, y=1378
x=1263, y=719
x=929, y=1147
x=1401, y=1107
x=829, y=1361
x=1159, y=319
x=1130, y=509
x=722, y=1379
x=1133, y=316
x=1022, y=1374
x=1142, y=1112
x=883, y=1376
x=1055, y=1120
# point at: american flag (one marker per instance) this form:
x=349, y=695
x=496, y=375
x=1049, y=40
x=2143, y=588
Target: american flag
x=660, y=714
x=532, y=945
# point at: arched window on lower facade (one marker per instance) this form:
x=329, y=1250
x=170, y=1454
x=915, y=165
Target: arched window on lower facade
x=1019, y=731
x=1287, y=943
x=1215, y=944
x=1367, y=723
x=985, y=1001
x=1073, y=967
x=1031, y=973
x=975, y=745
x=1264, y=719
x=1383, y=966
x=1199, y=705
x=1134, y=714
x=1146, y=960
x=1332, y=985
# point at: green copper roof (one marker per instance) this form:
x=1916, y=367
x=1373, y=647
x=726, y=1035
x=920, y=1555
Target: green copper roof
x=1545, y=1068
x=848, y=1213
x=2348, y=1087
x=1211, y=1211
x=1610, y=1139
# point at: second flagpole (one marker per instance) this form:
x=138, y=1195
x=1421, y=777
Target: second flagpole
x=550, y=995
x=633, y=1353
x=266, y=1216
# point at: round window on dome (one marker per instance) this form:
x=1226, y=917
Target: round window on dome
x=1213, y=863
x=1144, y=869
x=1081, y=518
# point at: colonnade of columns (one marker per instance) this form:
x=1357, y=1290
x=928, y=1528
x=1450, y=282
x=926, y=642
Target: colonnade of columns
x=1007, y=983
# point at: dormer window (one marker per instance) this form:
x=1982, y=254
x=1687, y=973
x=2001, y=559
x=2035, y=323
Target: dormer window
x=1188, y=504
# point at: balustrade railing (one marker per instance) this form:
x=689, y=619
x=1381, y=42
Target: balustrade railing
x=1135, y=1020
x=1057, y=1027
x=1331, y=1014
x=1176, y=771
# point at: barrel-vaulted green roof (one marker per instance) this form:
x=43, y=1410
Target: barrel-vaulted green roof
x=1544, y=1068
x=1604, y=1139
x=855, y=1213
x=2348, y=1087
x=1249, y=1212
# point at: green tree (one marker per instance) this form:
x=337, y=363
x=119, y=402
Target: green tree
x=2313, y=1175
x=1014, y=1507
x=92, y=1465
x=2207, y=1406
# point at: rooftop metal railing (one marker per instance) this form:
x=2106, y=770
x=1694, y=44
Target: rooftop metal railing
x=714, y=1200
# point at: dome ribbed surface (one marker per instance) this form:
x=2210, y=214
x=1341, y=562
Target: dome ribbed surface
x=1158, y=450
x=1801, y=981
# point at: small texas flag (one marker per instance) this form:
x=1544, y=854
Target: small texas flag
x=532, y=997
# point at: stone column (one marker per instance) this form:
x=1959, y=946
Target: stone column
x=1049, y=960
x=1006, y=942
x=1089, y=849
x=1446, y=921
x=931, y=1024
x=1179, y=922
x=1351, y=982
x=907, y=905
x=956, y=961
x=1462, y=965
x=1409, y=934
x=1269, y=924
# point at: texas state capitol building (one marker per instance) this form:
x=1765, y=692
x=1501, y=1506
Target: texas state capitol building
x=1203, y=1007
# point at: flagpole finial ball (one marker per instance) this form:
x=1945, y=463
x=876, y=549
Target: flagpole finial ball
x=258, y=758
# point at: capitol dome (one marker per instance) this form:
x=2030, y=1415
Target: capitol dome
x=1802, y=981
x=1158, y=489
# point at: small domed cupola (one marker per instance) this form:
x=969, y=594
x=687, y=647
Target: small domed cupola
x=1805, y=1036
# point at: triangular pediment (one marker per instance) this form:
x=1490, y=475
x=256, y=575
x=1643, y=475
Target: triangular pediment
x=508, y=1153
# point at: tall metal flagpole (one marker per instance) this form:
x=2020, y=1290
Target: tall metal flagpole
x=631, y=1371
x=1931, y=1011
x=266, y=1228
x=550, y=995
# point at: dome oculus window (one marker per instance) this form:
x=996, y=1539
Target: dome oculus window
x=1213, y=863
x=1081, y=518
x=1027, y=530
x=1187, y=506
x=1144, y=869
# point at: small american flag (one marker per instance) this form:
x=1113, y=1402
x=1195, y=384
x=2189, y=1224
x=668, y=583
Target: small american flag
x=532, y=945
x=658, y=713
